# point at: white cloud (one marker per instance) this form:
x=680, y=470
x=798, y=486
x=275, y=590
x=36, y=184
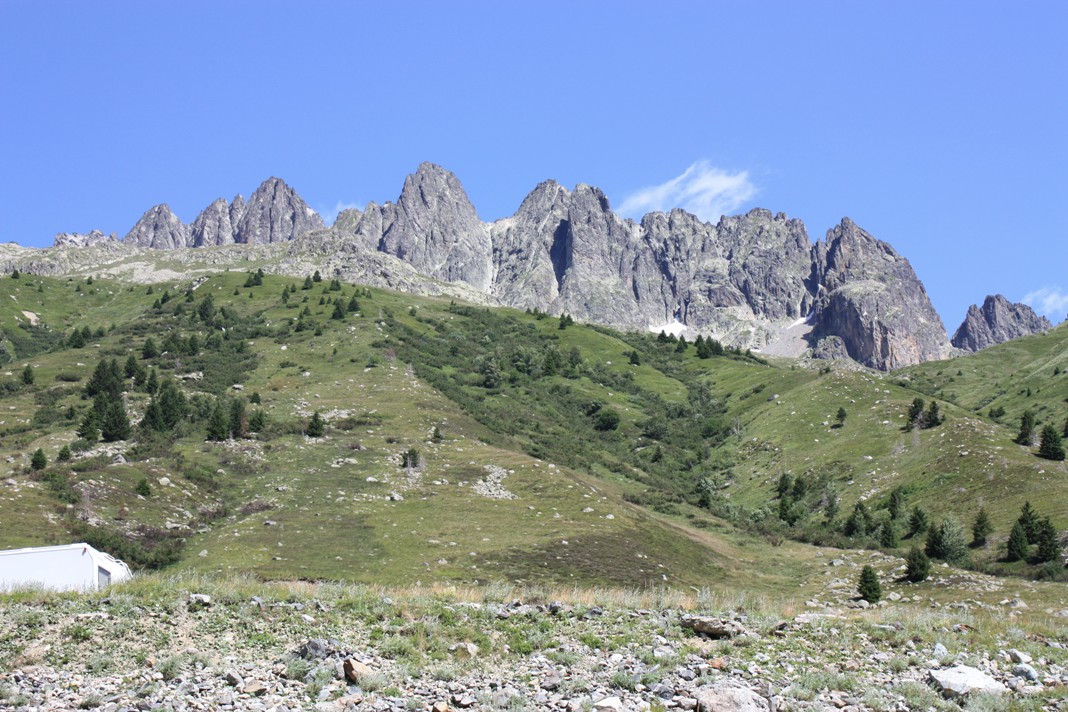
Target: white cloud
x=702, y=189
x=1048, y=301
x=329, y=215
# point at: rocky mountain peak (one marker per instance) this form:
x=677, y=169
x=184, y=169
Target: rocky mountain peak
x=870, y=297
x=997, y=321
x=275, y=213
x=159, y=228
x=213, y=226
x=435, y=228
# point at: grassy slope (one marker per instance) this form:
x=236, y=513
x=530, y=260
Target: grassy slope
x=329, y=520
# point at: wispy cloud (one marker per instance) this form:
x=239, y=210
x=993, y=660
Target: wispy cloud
x=1048, y=301
x=329, y=215
x=702, y=189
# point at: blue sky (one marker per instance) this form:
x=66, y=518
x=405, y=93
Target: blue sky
x=938, y=127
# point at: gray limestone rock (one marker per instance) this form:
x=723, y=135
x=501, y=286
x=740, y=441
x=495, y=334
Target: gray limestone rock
x=997, y=321
x=274, y=213
x=77, y=239
x=213, y=226
x=435, y=228
x=159, y=228
x=870, y=296
x=962, y=680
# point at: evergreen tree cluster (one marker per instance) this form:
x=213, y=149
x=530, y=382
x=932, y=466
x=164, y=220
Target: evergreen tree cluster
x=920, y=417
x=1029, y=530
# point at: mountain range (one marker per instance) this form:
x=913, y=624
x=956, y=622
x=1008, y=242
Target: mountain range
x=753, y=281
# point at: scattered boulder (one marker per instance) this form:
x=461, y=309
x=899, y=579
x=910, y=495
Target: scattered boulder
x=713, y=627
x=730, y=698
x=962, y=680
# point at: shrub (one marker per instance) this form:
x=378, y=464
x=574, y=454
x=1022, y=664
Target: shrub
x=607, y=419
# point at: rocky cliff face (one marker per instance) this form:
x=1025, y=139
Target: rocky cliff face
x=869, y=295
x=997, y=321
x=274, y=213
x=76, y=239
x=159, y=228
x=752, y=281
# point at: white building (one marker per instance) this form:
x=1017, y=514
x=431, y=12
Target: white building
x=69, y=567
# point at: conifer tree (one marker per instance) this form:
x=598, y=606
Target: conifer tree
x=149, y=350
x=354, y=304
x=1016, y=548
x=868, y=586
x=339, y=311
x=896, y=506
x=218, y=423
x=1029, y=520
x=932, y=417
x=915, y=414
x=840, y=417
x=918, y=522
x=114, y=423
x=316, y=426
x=1051, y=447
x=981, y=528
x=917, y=565
x=888, y=538
x=38, y=461
x=28, y=378
x=1027, y=428
x=1049, y=548
x=64, y=454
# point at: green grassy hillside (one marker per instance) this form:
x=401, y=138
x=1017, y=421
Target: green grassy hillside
x=468, y=444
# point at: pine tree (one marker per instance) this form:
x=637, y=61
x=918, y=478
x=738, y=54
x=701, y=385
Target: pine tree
x=307, y=283
x=840, y=417
x=149, y=350
x=681, y=347
x=868, y=586
x=89, y=428
x=64, y=454
x=954, y=544
x=153, y=418
x=636, y=360
x=859, y=521
x=38, y=461
x=28, y=379
x=1016, y=548
x=915, y=414
x=114, y=423
x=1029, y=520
x=1051, y=447
x=888, y=538
x=316, y=426
x=1064, y=432
x=317, y=277
x=933, y=546
x=152, y=382
x=981, y=528
x=932, y=417
x=257, y=421
x=917, y=565
x=130, y=367
x=354, y=304
x=239, y=425
x=218, y=423
x=1049, y=547
x=918, y=522
x=339, y=311
x=896, y=506
x=1027, y=429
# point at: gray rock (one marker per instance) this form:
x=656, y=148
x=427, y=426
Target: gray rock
x=713, y=627
x=159, y=228
x=434, y=227
x=997, y=321
x=962, y=680
x=726, y=697
x=75, y=239
x=870, y=296
x=1018, y=656
x=213, y=226
x=274, y=213
x=939, y=650
x=1025, y=671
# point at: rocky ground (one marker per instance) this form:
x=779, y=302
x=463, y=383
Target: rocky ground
x=191, y=644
